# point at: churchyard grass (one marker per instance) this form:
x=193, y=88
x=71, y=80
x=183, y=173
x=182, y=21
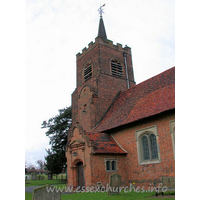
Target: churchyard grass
x=28, y=196
x=88, y=195
x=44, y=182
x=103, y=196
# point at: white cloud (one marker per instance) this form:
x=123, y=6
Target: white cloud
x=34, y=154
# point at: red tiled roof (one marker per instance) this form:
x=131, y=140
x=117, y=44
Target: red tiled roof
x=104, y=143
x=146, y=99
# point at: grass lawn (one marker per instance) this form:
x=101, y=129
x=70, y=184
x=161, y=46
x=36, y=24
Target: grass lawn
x=91, y=196
x=103, y=196
x=28, y=196
x=44, y=182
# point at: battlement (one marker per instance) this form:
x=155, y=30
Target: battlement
x=108, y=43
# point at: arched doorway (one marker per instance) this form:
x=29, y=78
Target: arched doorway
x=80, y=174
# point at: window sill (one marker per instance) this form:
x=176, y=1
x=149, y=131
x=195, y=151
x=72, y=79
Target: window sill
x=111, y=170
x=149, y=162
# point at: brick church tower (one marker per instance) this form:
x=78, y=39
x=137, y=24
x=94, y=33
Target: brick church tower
x=118, y=126
x=103, y=70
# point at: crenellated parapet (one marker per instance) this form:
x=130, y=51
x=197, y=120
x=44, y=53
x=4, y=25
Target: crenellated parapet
x=85, y=50
x=108, y=43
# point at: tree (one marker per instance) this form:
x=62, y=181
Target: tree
x=31, y=168
x=58, y=127
x=55, y=161
x=25, y=167
x=40, y=164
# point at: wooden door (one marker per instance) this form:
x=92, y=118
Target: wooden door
x=81, y=177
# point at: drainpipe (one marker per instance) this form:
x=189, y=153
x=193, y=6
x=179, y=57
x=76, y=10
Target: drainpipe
x=126, y=70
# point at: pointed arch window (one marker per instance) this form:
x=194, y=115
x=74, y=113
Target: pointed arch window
x=147, y=145
x=116, y=68
x=87, y=72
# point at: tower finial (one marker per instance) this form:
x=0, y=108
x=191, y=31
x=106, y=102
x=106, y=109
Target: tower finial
x=101, y=10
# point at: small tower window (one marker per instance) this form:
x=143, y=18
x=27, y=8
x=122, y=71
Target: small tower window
x=87, y=72
x=116, y=68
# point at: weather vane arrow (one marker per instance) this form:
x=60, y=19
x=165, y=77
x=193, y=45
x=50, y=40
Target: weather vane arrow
x=101, y=10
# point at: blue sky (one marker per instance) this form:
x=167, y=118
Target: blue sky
x=56, y=30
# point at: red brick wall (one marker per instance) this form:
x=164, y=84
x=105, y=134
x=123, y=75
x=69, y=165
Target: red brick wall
x=90, y=101
x=75, y=106
x=83, y=155
x=98, y=168
x=89, y=107
x=127, y=165
x=148, y=172
x=103, y=86
x=100, y=55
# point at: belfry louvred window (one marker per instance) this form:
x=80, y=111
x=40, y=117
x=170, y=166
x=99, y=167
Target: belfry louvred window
x=116, y=68
x=87, y=72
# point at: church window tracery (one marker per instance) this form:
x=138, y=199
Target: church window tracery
x=149, y=146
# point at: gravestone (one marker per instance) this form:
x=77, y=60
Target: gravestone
x=169, y=182
x=34, y=176
x=114, y=184
x=49, y=176
x=44, y=193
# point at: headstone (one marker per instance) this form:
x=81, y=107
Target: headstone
x=114, y=184
x=45, y=193
x=27, y=177
x=49, y=176
x=169, y=182
x=34, y=176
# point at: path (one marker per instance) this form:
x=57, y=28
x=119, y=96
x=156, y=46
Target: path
x=30, y=189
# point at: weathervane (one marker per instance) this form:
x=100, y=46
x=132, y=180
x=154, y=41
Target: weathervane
x=101, y=10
